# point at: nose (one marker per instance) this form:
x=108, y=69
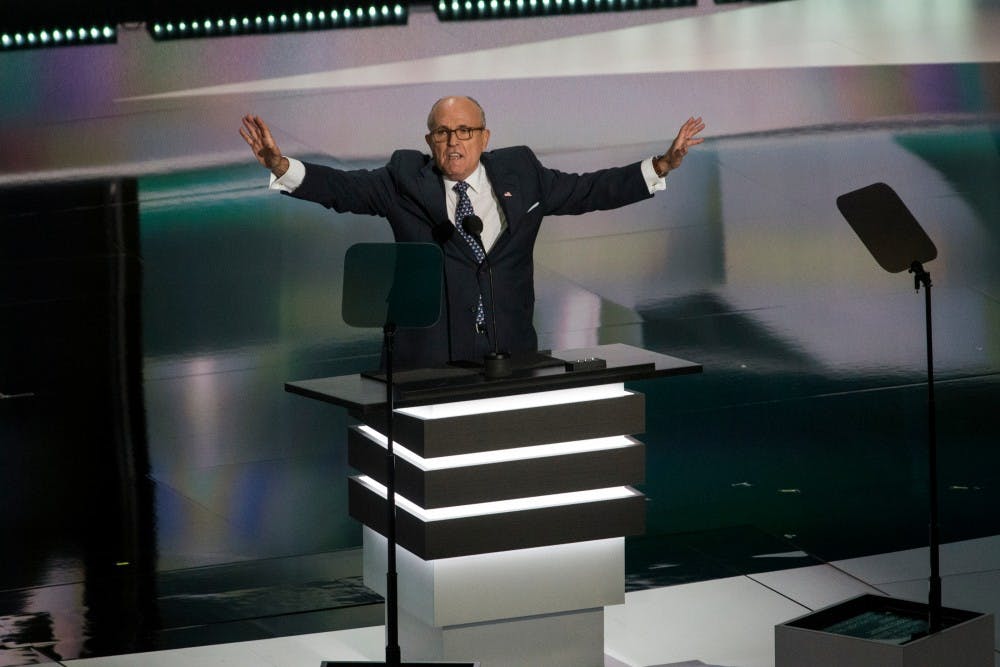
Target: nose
x=452, y=138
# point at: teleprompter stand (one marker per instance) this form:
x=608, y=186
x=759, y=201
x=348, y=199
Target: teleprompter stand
x=392, y=285
x=871, y=630
x=898, y=242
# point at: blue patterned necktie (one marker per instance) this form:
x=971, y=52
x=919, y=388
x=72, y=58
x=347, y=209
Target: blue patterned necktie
x=463, y=209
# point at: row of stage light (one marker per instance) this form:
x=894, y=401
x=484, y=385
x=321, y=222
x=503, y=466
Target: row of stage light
x=333, y=17
x=62, y=36
x=318, y=16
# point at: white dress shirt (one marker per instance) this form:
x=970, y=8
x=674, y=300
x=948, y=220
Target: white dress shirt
x=484, y=203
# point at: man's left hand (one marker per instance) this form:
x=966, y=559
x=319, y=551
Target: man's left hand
x=685, y=139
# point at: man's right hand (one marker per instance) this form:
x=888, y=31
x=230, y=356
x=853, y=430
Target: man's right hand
x=258, y=136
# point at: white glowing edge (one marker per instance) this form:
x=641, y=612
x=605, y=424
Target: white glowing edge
x=498, y=455
x=520, y=401
x=501, y=506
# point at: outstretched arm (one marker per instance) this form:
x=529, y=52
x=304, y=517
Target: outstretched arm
x=686, y=137
x=258, y=136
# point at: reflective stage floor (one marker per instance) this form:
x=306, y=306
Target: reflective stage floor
x=727, y=622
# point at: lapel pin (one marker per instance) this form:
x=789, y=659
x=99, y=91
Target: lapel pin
x=507, y=194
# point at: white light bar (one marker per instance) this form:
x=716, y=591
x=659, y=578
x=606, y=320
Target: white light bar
x=339, y=15
x=63, y=36
x=468, y=10
x=504, y=403
x=498, y=455
x=501, y=506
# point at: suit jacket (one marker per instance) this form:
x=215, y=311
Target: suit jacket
x=409, y=192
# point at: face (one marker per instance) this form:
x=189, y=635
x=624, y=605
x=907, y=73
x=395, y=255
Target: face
x=457, y=158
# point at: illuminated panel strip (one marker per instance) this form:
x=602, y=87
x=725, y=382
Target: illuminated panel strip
x=467, y=10
x=501, y=506
x=342, y=16
x=499, y=455
x=521, y=401
x=48, y=37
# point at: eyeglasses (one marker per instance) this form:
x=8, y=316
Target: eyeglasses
x=442, y=134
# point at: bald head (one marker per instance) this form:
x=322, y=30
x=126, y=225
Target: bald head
x=455, y=101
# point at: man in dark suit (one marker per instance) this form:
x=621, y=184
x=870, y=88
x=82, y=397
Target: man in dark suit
x=426, y=198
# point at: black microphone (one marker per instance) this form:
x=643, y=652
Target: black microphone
x=497, y=363
x=443, y=231
x=473, y=226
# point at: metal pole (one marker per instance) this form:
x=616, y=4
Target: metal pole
x=934, y=595
x=392, y=651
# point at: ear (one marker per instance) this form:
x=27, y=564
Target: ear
x=430, y=143
x=486, y=139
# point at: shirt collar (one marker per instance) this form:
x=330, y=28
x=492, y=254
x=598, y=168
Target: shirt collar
x=476, y=180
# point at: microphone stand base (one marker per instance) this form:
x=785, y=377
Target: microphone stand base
x=497, y=365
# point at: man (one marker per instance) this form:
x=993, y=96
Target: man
x=426, y=198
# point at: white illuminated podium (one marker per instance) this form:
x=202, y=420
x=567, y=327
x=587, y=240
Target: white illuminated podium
x=513, y=497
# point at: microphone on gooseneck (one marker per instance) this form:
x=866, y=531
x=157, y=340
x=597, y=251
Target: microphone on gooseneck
x=473, y=226
x=497, y=363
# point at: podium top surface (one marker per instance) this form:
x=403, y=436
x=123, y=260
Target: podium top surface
x=363, y=394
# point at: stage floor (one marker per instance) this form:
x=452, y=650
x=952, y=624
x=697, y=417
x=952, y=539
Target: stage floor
x=726, y=622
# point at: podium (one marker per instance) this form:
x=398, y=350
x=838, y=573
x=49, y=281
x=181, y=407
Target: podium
x=514, y=498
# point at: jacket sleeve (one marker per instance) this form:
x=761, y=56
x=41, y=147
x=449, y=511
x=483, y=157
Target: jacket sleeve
x=364, y=191
x=572, y=194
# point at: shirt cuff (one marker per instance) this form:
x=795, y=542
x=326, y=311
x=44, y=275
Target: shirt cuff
x=653, y=182
x=291, y=179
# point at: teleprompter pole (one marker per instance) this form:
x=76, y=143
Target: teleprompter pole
x=392, y=651
x=922, y=277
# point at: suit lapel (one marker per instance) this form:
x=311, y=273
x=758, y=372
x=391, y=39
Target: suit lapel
x=505, y=187
x=432, y=192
